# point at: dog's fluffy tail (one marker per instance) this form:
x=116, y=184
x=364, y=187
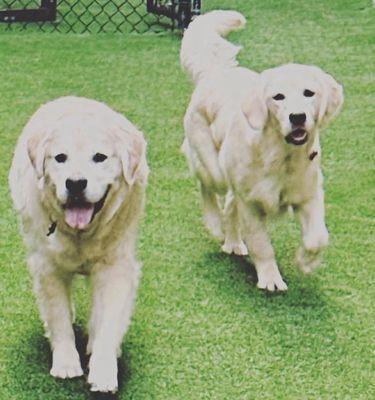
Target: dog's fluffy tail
x=203, y=47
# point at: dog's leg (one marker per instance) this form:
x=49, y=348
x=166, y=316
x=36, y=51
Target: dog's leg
x=314, y=233
x=200, y=138
x=53, y=294
x=261, y=250
x=212, y=213
x=233, y=241
x=114, y=290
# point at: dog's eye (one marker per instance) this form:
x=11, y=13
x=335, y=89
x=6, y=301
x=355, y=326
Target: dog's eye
x=308, y=93
x=99, y=157
x=61, y=158
x=279, y=96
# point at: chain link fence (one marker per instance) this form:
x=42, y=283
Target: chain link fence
x=96, y=16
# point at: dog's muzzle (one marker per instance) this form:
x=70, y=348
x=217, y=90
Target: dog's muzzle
x=79, y=213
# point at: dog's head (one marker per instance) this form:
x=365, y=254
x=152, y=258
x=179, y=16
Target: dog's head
x=81, y=162
x=300, y=98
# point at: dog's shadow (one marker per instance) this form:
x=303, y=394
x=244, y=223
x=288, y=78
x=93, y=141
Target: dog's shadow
x=33, y=357
x=304, y=292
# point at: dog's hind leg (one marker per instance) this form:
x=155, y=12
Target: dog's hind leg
x=232, y=230
x=212, y=212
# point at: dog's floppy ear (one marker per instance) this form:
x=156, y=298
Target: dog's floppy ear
x=36, y=149
x=255, y=109
x=332, y=97
x=132, y=153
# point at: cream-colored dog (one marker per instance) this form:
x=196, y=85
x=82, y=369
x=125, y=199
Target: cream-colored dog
x=78, y=182
x=252, y=140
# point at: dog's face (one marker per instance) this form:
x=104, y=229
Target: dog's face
x=81, y=164
x=299, y=99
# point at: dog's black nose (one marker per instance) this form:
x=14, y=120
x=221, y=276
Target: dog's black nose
x=297, y=119
x=77, y=186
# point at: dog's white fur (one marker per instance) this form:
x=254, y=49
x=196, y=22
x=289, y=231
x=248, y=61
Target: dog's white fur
x=235, y=145
x=105, y=249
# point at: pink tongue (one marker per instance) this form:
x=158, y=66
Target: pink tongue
x=79, y=218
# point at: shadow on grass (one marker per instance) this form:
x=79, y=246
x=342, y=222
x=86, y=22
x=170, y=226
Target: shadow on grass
x=301, y=318
x=304, y=291
x=31, y=360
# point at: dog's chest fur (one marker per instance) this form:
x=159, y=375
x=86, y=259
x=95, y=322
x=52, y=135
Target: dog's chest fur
x=280, y=176
x=80, y=252
x=75, y=253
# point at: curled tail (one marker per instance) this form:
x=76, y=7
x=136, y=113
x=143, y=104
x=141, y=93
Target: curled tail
x=203, y=46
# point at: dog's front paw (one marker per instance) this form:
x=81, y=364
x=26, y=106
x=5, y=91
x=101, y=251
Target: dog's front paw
x=65, y=362
x=307, y=261
x=317, y=241
x=271, y=280
x=237, y=248
x=103, y=373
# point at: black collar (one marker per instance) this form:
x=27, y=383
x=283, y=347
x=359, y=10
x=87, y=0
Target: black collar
x=52, y=228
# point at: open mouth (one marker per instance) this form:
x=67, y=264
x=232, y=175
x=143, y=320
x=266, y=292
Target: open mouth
x=79, y=213
x=297, y=137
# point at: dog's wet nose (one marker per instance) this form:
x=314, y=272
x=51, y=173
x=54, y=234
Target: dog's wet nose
x=297, y=119
x=76, y=186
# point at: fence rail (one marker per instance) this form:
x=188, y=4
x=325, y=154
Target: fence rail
x=95, y=16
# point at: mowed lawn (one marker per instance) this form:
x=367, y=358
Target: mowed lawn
x=201, y=328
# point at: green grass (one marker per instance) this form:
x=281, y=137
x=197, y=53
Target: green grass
x=201, y=329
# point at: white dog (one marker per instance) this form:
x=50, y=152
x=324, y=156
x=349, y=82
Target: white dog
x=78, y=182
x=254, y=139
